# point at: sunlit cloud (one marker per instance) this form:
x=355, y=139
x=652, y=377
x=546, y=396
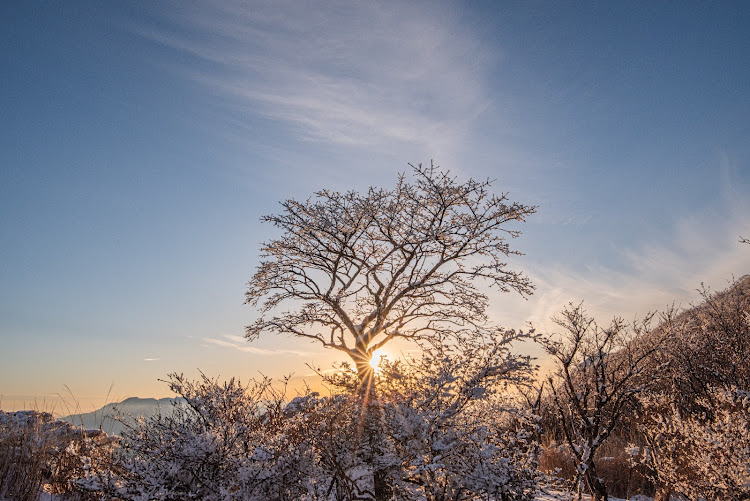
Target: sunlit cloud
x=155, y=359
x=701, y=248
x=358, y=73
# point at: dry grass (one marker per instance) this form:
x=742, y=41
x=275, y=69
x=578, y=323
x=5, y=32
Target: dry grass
x=613, y=464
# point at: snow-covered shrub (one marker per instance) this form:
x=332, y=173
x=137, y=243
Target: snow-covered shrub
x=701, y=455
x=345, y=445
x=720, y=448
x=436, y=427
x=228, y=441
x=40, y=454
x=452, y=434
x=22, y=458
x=225, y=441
x=705, y=356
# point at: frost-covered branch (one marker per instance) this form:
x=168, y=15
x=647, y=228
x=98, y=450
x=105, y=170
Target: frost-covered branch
x=353, y=271
x=597, y=377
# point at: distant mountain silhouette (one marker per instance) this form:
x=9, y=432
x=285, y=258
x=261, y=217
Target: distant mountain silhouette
x=112, y=418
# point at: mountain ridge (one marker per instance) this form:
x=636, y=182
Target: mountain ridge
x=115, y=416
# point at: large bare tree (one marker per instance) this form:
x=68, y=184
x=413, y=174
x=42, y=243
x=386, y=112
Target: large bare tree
x=354, y=271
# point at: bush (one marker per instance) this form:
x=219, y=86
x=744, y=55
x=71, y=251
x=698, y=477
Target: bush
x=39, y=454
x=704, y=455
x=436, y=428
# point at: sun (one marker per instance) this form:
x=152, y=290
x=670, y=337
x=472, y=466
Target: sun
x=375, y=360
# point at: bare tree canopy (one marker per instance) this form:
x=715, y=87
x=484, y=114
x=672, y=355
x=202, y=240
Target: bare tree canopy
x=354, y=271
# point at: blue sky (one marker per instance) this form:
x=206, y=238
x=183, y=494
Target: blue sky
x=142, y=141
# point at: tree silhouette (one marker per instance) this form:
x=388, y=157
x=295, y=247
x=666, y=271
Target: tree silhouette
x=354, y=271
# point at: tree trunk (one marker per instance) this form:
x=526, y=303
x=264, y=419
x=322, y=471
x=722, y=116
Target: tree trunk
x=595, y=484
x=663, y=493
x=371, y=428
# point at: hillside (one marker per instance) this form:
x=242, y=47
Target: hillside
x=111, y=417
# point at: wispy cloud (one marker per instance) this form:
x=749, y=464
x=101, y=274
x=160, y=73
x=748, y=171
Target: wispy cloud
x=361, y=73
x=239, y=343
x=701, y=248
x=153, y=359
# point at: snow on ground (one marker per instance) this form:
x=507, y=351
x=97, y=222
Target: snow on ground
x=545, y=495
x=542, y=496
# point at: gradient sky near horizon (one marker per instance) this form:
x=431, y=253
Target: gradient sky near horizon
x=142, y=141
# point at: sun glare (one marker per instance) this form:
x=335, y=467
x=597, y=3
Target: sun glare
x=375, y=360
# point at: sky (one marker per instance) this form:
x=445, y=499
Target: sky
x=141, y=142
